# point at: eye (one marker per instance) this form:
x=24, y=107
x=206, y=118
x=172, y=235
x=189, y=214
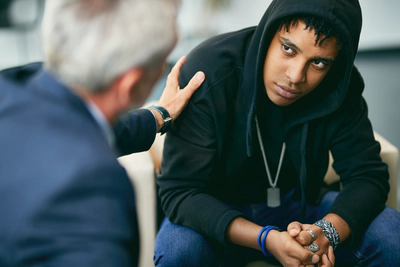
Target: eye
x=287, y=49
x=319, y=64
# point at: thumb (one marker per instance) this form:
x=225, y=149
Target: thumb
x=294, y=228
x=194, y=83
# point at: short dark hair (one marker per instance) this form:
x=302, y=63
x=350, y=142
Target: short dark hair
x=323, y=29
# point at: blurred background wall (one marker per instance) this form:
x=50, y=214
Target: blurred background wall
x=20, y=31
x=378, y=58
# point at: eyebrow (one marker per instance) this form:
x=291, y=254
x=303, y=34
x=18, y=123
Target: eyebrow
x=291, y=44
x=288, y=42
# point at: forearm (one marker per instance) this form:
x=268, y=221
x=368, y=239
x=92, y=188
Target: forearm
x=358, y=203
x=280, y=244
x=243, y=232
x=135, y=131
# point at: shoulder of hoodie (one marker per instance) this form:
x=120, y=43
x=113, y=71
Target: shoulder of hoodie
x=217, y=56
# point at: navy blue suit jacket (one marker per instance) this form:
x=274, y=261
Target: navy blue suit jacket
x=64, y=199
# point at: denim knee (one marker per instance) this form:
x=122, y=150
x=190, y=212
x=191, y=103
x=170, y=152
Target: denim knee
x=385, y=237
x=380, y=244
x=181, y=246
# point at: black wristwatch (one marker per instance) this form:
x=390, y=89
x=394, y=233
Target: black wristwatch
x=166, y=117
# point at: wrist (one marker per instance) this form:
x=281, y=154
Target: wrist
x=262, y=238
x=164, y=120
x=158, y=119
x=330, y=232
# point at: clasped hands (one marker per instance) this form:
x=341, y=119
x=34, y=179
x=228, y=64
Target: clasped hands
x=291, y=247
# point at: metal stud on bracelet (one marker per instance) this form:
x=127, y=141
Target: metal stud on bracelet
x=330, y=232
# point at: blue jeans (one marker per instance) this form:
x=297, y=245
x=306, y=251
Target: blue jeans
x=181, y=246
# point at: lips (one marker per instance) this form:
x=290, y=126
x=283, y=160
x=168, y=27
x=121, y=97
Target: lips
x=287, y=92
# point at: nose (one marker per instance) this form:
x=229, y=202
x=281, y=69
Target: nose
x=296, y=72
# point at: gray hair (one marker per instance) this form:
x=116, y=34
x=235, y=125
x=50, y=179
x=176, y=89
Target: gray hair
x=90, y=43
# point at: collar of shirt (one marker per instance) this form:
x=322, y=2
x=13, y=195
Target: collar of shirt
x=102, y=122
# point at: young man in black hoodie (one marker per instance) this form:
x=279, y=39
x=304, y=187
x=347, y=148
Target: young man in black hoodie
x=243, y=167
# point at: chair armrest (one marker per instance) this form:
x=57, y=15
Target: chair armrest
x=390, y=155
x=140, y=169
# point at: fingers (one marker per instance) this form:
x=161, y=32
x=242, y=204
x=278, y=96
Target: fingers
x=178, y=65
x=299, y=250
x=173, y=77
x=172, y=80
x=305, y=256
x=328, y=260
x=294, y=228
x=331, y=255
x=173, y=99
x=193, y=84
x=180, y=98
x=306, y=237
x=325, y=261
x=311, y=259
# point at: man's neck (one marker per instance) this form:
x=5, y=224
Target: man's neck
x=104, y=102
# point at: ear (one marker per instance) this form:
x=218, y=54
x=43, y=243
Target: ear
x=125, y=85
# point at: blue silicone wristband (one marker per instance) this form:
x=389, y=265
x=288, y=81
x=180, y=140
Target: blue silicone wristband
x=262, y=236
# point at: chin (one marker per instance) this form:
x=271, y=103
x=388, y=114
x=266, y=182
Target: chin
x=280, y=101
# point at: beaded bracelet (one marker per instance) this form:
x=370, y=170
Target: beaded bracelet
x=330, y=232
x=261, y=238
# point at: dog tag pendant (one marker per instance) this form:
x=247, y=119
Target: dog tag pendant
x=274, y=197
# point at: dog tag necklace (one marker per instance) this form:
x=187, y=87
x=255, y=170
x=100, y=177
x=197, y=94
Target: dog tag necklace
x=273, y=193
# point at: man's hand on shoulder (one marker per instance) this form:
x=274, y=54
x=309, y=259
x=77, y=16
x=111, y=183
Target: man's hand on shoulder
x=174, y=99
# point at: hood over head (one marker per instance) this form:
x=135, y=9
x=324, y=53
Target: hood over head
x=345, y=16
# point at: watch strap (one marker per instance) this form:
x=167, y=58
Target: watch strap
x=166, y=117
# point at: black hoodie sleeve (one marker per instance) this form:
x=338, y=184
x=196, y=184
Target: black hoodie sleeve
x=189, y=155
x=363, y=174
x=194, y=166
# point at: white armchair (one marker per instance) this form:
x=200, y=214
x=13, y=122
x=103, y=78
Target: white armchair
x=140, y=169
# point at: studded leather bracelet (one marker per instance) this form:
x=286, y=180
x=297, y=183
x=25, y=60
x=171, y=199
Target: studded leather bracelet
x=330, y=232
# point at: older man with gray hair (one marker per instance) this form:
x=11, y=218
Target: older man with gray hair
x=65, y=200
